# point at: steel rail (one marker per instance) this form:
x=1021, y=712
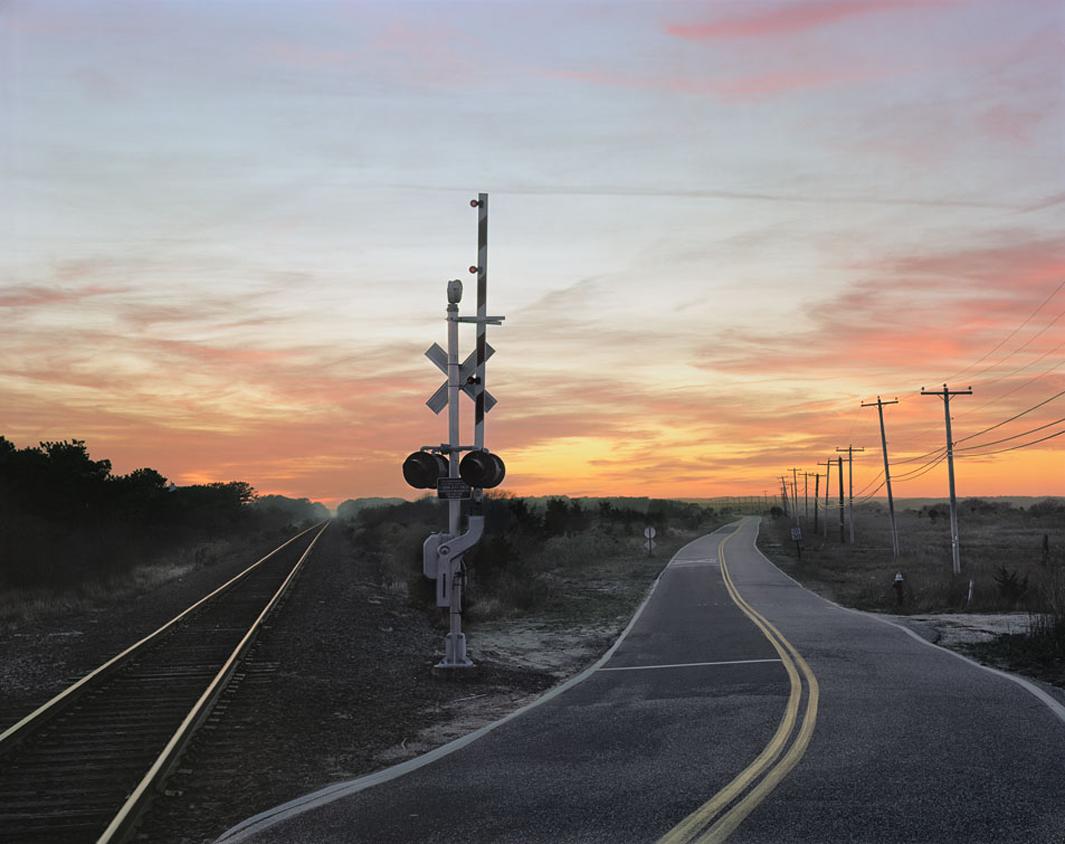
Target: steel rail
x=127, y=814
x=52, y=707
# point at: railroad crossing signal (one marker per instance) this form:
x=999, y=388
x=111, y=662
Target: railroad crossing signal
x=439, y=467
x=467, y=377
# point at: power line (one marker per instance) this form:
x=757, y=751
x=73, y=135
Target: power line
x=923, y=470
x=1019, y=369
x=1015, y=436
x=1011, y=335
x=1010, y=392
x=919, y=456
x=1020, y=445
x=916, y=473
x=1012, y=418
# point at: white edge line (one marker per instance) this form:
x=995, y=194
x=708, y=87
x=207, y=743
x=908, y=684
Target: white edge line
x=1053, y=705
x=257, y=823
x=688, y=664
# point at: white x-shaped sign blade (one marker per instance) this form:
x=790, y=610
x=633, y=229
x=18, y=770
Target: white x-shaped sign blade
x=438, y=400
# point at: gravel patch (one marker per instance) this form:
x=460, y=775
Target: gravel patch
x=958, y=629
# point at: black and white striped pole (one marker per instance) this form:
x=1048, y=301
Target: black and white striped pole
x=439, y=467
x=481, y=204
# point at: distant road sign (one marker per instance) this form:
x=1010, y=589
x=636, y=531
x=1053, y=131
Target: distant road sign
x=796, y=534
x=452, y=489
x=650, y=532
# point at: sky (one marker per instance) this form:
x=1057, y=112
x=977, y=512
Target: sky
x=716, y=228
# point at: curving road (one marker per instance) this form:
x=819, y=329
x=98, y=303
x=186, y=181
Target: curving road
x=736, y=706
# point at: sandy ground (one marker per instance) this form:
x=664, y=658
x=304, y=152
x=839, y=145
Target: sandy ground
x=953, y=629
x=534, y=646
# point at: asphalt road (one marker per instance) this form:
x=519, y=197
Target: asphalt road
x=740, y=706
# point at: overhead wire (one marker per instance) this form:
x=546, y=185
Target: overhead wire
x=1014, y=437
x=1010, y=336
x=1019, y=445
x=1010, y=392
x=1012, y=418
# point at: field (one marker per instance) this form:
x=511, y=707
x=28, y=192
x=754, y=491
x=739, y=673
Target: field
x=1012, y=559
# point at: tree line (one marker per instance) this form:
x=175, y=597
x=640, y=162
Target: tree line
x=66, y=518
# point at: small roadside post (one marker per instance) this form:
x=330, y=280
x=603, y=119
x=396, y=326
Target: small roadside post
x=649, y=534
x=898, y=585
x=796, y=537
x=439, y=466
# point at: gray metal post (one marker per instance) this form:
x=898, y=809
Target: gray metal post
x=454, y=368
x=955, y=543
x=455, y=643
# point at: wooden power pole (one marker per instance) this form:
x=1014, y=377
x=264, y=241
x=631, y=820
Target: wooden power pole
x=828, y=478
x=946, y=395
x=879, y=404
x=817, y=496
x=849, y=451
x=842, y=511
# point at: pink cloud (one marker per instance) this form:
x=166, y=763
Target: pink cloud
x=791, y=18
x=1010, y=124
x=31, y=296
x=752, y=87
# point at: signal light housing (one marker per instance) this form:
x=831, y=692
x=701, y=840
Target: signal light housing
x=423, y=469
x=482, y=469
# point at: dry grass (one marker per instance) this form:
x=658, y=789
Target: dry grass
x=861, y=575
x=23, y=606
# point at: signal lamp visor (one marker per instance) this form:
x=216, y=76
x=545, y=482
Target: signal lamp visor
x=482, y=469
x=423, y=469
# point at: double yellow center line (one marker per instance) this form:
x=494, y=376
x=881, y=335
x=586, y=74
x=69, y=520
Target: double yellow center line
x=719, y=817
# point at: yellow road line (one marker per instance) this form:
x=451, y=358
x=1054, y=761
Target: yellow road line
x=704, y=824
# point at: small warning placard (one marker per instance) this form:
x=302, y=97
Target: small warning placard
x=452, y=489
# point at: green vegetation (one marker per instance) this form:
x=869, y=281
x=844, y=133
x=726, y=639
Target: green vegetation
x=540, y=555
x=69, y=523
x=1013, y=556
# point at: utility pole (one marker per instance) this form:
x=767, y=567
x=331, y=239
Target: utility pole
x=806, y=496
x=842, y=519
x=817, y=496
x=946, y=395
x=849, y=450
x=795, y=492
x=784, y=495
x=828, y=478
x=879, y=404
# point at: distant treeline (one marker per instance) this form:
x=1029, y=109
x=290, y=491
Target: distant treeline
x=66, y=518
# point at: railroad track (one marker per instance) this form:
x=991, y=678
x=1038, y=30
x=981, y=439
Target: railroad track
x=82, y=767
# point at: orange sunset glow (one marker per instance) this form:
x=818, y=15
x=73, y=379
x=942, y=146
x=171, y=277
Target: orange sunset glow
x=717, y=228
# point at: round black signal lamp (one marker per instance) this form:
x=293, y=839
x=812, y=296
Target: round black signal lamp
x=423, y=469
x=482, y=469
